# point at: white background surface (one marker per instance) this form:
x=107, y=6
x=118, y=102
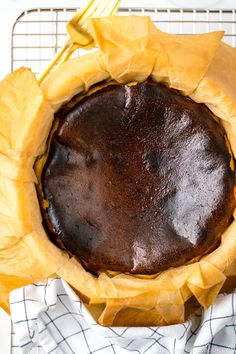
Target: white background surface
x=11, y=9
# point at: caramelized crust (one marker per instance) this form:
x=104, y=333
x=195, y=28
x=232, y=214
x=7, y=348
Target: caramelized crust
x=138, y=179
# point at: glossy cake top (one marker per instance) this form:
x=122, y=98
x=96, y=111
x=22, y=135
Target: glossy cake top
x=138, y=179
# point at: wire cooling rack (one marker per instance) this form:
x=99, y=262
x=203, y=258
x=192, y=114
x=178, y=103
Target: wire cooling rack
x=38, y=33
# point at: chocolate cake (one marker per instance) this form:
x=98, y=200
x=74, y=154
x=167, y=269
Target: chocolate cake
x=137, y=179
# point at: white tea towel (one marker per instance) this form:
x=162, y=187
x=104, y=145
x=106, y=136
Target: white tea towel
x=51, y=315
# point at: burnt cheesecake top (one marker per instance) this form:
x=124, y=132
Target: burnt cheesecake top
x=137, y=179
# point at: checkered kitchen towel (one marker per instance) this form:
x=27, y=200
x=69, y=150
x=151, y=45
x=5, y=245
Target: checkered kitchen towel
x=50, y=314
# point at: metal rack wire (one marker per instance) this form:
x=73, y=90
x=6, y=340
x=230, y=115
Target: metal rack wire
x=38, y=33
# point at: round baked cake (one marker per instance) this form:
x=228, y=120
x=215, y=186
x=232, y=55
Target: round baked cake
x=137, y=179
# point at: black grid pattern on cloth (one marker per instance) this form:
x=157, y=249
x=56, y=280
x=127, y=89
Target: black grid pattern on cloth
x=47, y=313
